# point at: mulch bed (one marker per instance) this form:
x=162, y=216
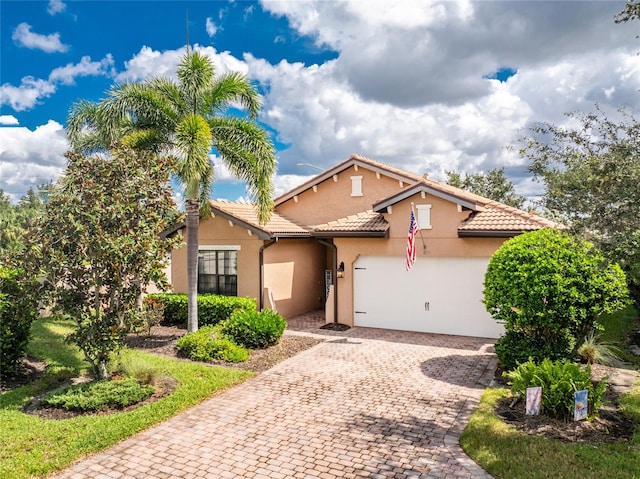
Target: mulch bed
x=610, y=426
x=161, y=341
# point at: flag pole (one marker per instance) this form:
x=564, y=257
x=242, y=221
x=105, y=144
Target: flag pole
x=424, y=244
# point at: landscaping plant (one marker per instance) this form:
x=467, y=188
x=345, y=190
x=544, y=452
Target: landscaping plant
x=559, y=381
x=97, y=246
x=17, y=312
x=208, y=344
x=212, y=308
x=549, y=288
x=253, y=329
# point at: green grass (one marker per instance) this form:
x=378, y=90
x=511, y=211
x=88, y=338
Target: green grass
x=34, y=447
x=506, y=453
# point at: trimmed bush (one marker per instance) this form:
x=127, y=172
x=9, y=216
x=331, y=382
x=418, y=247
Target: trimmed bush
x=516, y=347
x=99, y=395
x=253, y=329
x=212, y=308
x=208, y=344
x=559, y=381
x=549, y=288
x=17, y=312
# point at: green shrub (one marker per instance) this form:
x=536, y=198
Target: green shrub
x=99, y=395
x=212, y=308
x=548, y=284
x=559, y=381
x=17, y=312
x=208, y=344
x=254, y=329
x=516, y=347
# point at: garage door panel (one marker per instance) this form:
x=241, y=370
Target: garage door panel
x=438, y=295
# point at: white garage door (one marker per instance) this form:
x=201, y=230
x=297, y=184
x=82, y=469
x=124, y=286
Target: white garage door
x=438, y=295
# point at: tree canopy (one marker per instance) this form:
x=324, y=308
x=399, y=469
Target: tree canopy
x=591, y=174
x=97, y=246
x=494, y=185
x=185, y=120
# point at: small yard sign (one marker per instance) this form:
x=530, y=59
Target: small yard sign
x=534, y=398
x=580, y=408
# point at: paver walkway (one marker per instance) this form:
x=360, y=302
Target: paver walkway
x=365, y=403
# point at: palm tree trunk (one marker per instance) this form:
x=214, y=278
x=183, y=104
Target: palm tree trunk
x=193, y=219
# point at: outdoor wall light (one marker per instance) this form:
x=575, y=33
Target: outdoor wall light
x=341, y=269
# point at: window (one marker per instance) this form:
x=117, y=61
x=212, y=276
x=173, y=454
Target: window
x=424, y=216
x=356, y=186
x=218, y=272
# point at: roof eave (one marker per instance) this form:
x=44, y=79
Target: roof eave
x=351, y=234
x=491, y=233
x=420, y=187
x=261, y=233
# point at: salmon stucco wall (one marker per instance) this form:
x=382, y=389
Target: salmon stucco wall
x=333, y=200
x=218, y=232
x=439, y=241
x=294, y=275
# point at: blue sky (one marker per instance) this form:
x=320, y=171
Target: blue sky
x=428, y=86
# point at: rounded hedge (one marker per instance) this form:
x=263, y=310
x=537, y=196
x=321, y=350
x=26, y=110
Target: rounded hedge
x=253, y=329
x=549, y=288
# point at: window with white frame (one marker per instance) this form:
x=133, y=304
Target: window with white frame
x=356, y=186
x=218, y=270
x=424, y=216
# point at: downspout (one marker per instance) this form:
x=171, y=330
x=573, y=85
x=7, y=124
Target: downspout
x=261, y=272
x=335, y=269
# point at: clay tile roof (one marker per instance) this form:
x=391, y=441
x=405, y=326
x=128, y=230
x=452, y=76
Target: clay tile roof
x=367, y=223
x=245, y=214
x=498, y=218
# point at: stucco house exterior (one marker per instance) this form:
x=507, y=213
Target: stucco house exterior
x=338, y=242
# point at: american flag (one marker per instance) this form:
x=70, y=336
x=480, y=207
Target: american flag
x=411, y=241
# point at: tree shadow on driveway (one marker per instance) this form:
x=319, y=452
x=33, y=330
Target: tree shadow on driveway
x=472, y=371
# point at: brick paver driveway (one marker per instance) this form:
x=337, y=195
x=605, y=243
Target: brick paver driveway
x=365, y=403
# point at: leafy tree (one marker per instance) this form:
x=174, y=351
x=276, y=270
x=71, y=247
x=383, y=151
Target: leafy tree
x=630, y=12
x=185, y=120
x=549, y=288
x=15, y=219
x=591, y=173
x=98, y=247
x=494, y=185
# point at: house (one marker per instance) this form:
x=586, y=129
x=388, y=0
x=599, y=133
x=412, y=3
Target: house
x=338, y=242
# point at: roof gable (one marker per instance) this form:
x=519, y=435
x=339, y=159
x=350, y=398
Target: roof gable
x=353, y=160
x=245, y=215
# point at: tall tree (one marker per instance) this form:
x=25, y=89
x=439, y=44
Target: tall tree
x=591, y=173
x=185, y=120
x=494, y=185
x=98, y=246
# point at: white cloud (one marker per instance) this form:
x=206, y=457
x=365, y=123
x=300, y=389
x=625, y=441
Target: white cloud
x=8, y=120
x=32, y=90
x=67, y=74
x=26, y=95
x=211, y=27
x=47, y=43
x=31, y=157
x=149, y=62
x=56, y=6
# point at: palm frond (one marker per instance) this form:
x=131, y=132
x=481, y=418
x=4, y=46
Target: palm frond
x=193, y=139
x=195, y=74
x=248, y=152
x=232, y=87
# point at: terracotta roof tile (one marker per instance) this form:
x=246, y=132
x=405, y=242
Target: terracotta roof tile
x=278, y=225
x=497, y=217
x=367, y=222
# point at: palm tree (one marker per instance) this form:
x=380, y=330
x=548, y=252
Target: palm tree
x=185, y=120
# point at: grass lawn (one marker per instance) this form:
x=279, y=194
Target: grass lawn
x=34, y=447
x=506, y=453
